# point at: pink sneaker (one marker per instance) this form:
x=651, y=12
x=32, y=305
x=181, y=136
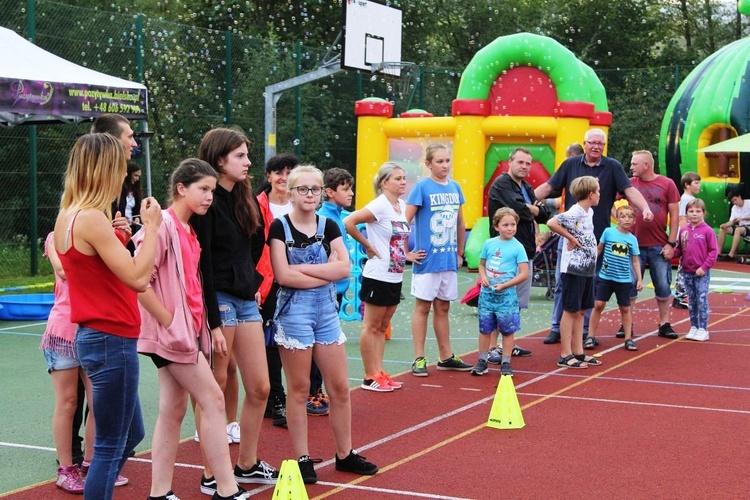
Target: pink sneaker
x=391, y=382
x=69, y=480
x=378, y=383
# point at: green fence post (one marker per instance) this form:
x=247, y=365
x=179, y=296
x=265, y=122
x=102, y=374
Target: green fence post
x=33, y=167
x=228, y=78
x=298, y=101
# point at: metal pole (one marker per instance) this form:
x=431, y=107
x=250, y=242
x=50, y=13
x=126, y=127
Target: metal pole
x=147, y=156
x=142, y=124
x=273, y=93
x=33, y=167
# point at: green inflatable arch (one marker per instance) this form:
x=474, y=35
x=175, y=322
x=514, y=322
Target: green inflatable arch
x=574, y=80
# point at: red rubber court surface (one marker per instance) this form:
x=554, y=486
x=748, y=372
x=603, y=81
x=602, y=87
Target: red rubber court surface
x=668, y=421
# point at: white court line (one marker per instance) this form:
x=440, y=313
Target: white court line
x=646, y=381
x=638, y=403
x=22, y=334
x=27, y=446
x=21, y=326
x=735, y=288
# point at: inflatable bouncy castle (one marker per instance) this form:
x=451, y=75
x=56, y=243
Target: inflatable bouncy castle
x=520, y=90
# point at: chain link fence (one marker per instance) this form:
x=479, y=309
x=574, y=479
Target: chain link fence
x=198, y=79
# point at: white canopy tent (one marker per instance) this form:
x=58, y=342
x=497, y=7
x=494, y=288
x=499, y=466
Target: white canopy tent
x=37, y=86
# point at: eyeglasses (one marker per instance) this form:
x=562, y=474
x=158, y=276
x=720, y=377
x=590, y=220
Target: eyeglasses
x=596, y=144
x=303, y=190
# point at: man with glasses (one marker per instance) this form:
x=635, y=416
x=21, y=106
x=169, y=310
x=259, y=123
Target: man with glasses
x=612, y=181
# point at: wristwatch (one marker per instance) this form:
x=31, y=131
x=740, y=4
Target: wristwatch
x=672, y=244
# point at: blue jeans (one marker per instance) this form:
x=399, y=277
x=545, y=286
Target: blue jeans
x=111, y=362
x=697, y=292
x=660, y=270
x=557, y=307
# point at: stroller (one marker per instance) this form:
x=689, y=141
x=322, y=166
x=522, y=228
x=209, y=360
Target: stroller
x=545, y=263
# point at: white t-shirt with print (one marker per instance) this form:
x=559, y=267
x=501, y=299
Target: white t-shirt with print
x=387, y=235
x=580, y=224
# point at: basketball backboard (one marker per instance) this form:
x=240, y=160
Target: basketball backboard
x=372, y=35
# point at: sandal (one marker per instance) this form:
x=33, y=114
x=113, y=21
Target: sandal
x=589, y=360
x=590, y=343
x=571, y=361
x=630, y=345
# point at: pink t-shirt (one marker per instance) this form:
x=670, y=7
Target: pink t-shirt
x=191, y=254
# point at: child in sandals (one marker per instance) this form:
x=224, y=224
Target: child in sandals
x=577, y=270
x=619, y=250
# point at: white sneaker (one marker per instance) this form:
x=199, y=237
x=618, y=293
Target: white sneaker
x=701, y=335
x=691, y=333
x=233, y=433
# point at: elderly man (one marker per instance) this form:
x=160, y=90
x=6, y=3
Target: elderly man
x=511, y=190
x=656, y=246
x=612, y=181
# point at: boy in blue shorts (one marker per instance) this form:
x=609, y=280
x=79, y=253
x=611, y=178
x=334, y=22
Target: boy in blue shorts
x=503, y=264
x=619, y=250
x=577, y=270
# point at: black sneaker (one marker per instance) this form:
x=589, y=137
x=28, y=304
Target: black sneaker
x=279, y=413
x=261, y=473
x=307, y=468
x=169, y=496
x=240, y=495
x=453, y=363
x=506, y=370
x=621, y=332
x=666, y=331
x=520, y=352
x=552, y=338
x=357, y=464
x=208, y=485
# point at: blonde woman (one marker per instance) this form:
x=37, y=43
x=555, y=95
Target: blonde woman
x=103, y=280
x=387, y=246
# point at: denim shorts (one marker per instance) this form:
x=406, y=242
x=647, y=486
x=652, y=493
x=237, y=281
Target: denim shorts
x=660, y=270
x=308, y=317
x=234, y=310
x=58, y=362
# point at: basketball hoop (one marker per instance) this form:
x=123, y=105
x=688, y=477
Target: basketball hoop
x=405, y=77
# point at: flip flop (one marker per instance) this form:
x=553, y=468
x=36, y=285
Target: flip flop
x=630, y=345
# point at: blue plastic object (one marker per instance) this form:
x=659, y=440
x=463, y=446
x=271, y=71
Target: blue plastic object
x=32, y=306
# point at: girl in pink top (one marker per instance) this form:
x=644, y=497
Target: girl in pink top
x=64, y=369
x=174, y=332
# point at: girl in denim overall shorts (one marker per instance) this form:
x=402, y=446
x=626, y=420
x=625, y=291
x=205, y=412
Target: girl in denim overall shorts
x=308, y=255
